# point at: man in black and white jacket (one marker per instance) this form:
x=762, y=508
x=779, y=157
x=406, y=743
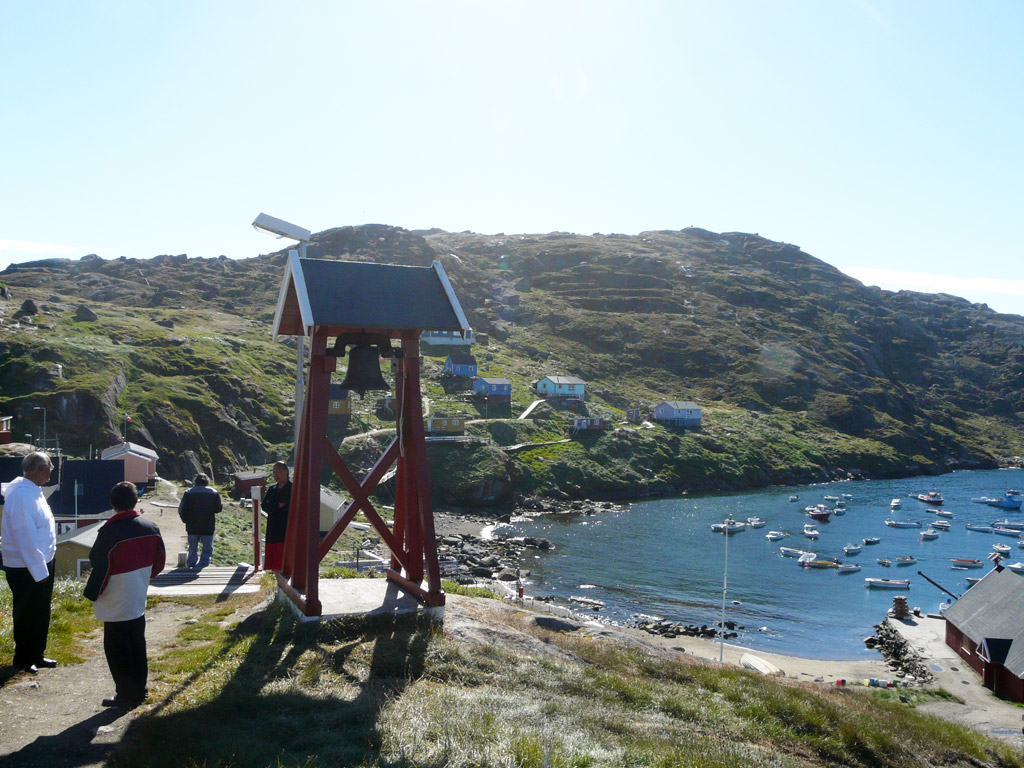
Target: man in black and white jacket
x=128, y=552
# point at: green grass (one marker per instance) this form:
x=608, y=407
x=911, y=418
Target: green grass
x=413, y=694
x=71, y=617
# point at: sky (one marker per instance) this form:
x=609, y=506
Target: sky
x=881, y=137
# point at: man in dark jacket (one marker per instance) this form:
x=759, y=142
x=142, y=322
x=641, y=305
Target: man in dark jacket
x=128, y=552
x=198, y=506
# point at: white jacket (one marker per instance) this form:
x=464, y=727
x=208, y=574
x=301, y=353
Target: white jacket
x=28, y=531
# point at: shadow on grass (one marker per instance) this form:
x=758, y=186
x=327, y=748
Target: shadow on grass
x=312, y=720
x=72, y=747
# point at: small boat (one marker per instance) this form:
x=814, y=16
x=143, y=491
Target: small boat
x=755, y=522
x=1014, y=524
x=1009, y=501
x=847, y=568
x=1002, y=549
x=930, y=535
x=819, y=513
x=839, y=511
x=943, y=513
x=972, y=580
x=902, y=523
x=1006, y=532
x=811, y=533
x=794, y=497
x=871, y=540
x=964, y=562
x=774, y=535
x=979, y=528
x=756, y=663
x=1013, y=492
x=941, y=525
x=906, y=560
x=852, y=549
x=895, y=504
x=819, y=563
x=791, y=552
x=883, y=562
x=728, y=526
x=932, y=497
x=830, y=498
x=847, y=495
x=1017, y=567
x=887, y=583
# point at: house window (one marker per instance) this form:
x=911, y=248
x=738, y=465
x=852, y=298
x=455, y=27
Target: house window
x=572, y=387
x=336, y=404
x=83, y=567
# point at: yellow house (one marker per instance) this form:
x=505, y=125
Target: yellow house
x=73, y=548
x=445, y=425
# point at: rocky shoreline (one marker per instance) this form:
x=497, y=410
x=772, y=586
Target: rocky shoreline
x=906, y=664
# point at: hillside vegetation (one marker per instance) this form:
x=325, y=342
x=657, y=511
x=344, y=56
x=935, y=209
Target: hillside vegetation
x=803, y=373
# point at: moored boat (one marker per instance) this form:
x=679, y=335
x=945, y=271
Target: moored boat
x=941, y=525
x=794, y=497
x=1008, y=501
x=1006, y=532
x=755, y=522
x=978, y=528
x=906, y=560
x=965, y=562
x=902, y=523
x=943, y=513
x=791, y=552
x=1002, y=549
x=819, y=513
x=895, y=504
x=930, y=535
x=811, y=533
x=932, y=497
x=1017, y=567
x=871, y=540
x=847, y=568
x=852, y=549
x=729, y=526
x=774, y=535
x=972, y=580
x=883, y=562
x=830, y=498
x=1016, y=525
x=820, y=563
x=887, y=583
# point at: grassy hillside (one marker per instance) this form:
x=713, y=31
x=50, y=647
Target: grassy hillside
x=803, y=373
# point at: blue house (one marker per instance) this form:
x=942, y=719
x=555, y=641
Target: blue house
x=460, y=365
x=492, y=387
x=568, y=387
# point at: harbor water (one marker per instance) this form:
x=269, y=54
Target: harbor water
x=660, y=558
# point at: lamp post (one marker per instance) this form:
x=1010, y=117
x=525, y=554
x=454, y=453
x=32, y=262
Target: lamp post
x=28, y=439
x=280, y=228
x=41, y=408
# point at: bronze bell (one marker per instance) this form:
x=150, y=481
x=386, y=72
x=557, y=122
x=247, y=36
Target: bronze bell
x=364, y=370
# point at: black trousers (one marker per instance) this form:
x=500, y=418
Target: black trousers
x=31, y=612
x=124, y=644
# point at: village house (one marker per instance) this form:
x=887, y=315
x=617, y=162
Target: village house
x=447, y=338
x=492, y=387
x=635, y=415
x=139, y=461
x=678, y=413
x=244, y=482
x=5, y=429
x=588, y=423
x=71, y=559
x=460, y=365
x=339, y=404
x=986, y=628
x=568, y=387
x=445, y=425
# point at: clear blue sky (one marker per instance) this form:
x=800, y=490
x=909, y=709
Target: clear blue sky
x=882, y=137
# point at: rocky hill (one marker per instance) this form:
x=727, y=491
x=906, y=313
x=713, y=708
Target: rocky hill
x=804, y=373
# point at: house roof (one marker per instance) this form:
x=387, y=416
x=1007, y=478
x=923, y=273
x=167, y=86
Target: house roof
x=679, y=405
x=337, y=392
x=563, y=380
x=331, y=499
x=494, y=380
x=249, y=475
x=462, y=359
x=86, y=535
x=991, y=611
x=122, y=448
x=353, y=295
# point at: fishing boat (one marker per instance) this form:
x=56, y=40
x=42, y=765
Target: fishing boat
x=794, y=497
x=1002, y=549
x=811, y=533
x=774, y=535
x=791, y=552
x=1017, y=567
x=1008, y=501
x=729, y=526
x=1006, y=532
x=941, y=525
x=943, y=513
x=964, y=562
x=1016, y=525
x=930, y=535
x=906, y=560
x=895, y=504
x=883, y=562
x=819, y=563
x=902, y=523
x=887, y=583
x=847, y=568
x=755, y=522
x=852, y=549
x=932, y=497
x=819, y=513
x=979, y=528
x=871, y=540
x=830, y=498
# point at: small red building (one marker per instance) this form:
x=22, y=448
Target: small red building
x=5, y=429
x=986, y=627
x=244, y=482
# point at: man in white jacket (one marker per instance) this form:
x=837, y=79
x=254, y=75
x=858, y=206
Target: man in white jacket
x=29, y=544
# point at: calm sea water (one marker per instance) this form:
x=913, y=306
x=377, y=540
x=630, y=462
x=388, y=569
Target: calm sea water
x=660, y=558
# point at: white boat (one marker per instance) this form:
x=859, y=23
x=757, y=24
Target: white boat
x=930, y=535
x=728, y=526
x=883, y=562
x=1002, y=549
x=756, y=663
x=847, y=568
x=839, y=511
x=847, y=495
x=774, y=535
x=870, y=540
x=1017, y=567
x=830, y=498
x=906, y=560
x=791, y=552
x=887, y=583
x=1015, y=525
x=944, y=513
x=811, y=533
x=972, y=580
x=902, y=523
x=941, y=525
x=965, y=562
x=755, y=522
x=895, y=504
x=979, y=528
x=1006, y=532
x=852, y=549
x=932, y=497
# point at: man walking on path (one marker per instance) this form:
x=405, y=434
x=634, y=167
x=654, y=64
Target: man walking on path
x=29, y=544
x=128, y=552
x=198, y=506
